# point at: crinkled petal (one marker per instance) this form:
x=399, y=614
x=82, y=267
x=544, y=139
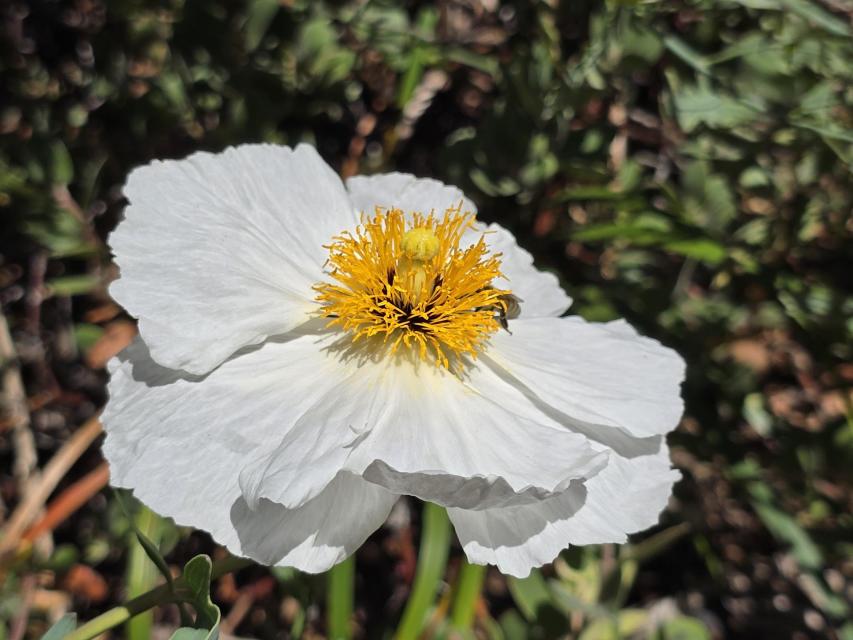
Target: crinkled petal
x=317, y=535
x=219, y=251
x=285, y=418
x=418, y=430
x=626, y=497
x=180, y=442
x=163, y=423
x=598, y=374
x=406, y=192
x=442, y=440
x=539, y=291
x=339, y=406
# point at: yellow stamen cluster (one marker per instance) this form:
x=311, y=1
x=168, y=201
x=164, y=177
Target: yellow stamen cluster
x=414, y=287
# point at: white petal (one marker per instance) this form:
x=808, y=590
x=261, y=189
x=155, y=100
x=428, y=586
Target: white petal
x=181, y=441
x=163, y=424
x=317, y=535
x=406, y=192
x=626, y=497
x=442, y=440
x=540, y=292
x=219, y=251
x=597, y=374
x=338, y=407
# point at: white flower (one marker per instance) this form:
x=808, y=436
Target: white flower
x=306, y=357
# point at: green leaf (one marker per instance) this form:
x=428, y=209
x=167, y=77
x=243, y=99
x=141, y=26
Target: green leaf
x=785, y=528
x=703, y=249
x=61, y=233
x=188, y=633
x=196, y=580
x=816, y=15
x=642, y=230
x=684, y=628
x=61, y=165
x=259, y=17
x=73, y=285
x=589, y=193
x=686, y=53
x=631, y=621
x=478, y=61
x=641, y=42
x=695, y=105
x=530, y=594
x=86, y=335
x=601, y=629
x=411, y=77
x=624, y=624
x=513, y=625
x=708, y=202
x=756, y=415
x=65, y=625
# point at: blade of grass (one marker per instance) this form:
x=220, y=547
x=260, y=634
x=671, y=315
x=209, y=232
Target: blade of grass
x=432, y=559
x=340, y=589
x=141, y=572
x=468, y=589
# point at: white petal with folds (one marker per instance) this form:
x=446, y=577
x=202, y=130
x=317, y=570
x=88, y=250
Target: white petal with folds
x=597, y=374
x=449, y=443
x=540, y=291
x=626, y=497
x=282, y=420
x=180, y=442
x=406, y=192
x=317, y=535
x=166, y=428
x=220, y=251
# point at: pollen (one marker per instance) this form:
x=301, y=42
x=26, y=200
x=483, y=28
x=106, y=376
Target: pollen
x=405, y=280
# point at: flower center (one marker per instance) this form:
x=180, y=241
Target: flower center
x=415, y=287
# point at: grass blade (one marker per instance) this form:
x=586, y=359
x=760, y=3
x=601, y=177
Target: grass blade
x=340, y=588
x=432, y=559
x=467, y=596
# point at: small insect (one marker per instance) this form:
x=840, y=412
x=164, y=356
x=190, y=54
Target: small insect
x=508, y=308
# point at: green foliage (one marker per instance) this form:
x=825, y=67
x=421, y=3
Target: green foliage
x=588, y=595
x=196, y=589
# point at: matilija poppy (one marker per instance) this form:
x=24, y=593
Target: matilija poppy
x=310, y=350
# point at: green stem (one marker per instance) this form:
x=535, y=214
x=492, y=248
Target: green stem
x=340, y=589
x=432, y=559
x=161, y=595
x=119, y=615
x=468, y=589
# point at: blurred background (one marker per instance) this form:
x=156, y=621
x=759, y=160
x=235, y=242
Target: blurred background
x=683, y=164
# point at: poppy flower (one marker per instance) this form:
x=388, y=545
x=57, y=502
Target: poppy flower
x=310, y=350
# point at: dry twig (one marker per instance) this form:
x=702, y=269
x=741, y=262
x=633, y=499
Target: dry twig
x=16, y=410
x=54, y=471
